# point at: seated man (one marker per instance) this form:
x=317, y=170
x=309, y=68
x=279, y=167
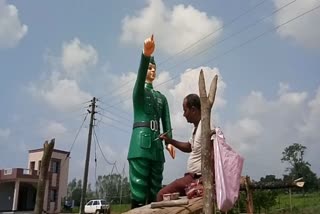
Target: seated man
x=192, y=113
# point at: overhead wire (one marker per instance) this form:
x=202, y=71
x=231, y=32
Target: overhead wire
x=78, y=132
x=112, y=118
x=116, y=127
x=119, y=110
x=248, y=41
x=264, y=33
x=213, y=32
x=73, y=143
x=195, y=43
x=247, y=27
x=215, y=57
x=219, y=42
x=104, y=157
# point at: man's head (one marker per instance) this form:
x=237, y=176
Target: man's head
x=192, y=108
x=151, y=74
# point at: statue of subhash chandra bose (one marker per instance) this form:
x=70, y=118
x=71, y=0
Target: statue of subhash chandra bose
x=146, y=155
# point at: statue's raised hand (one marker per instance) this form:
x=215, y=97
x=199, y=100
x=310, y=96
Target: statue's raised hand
x=148, y=46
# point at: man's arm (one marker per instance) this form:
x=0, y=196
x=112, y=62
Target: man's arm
x=182, y=146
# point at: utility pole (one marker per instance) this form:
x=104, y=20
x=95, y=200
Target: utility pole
x=86, y=167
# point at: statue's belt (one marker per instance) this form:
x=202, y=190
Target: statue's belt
x=152, y=124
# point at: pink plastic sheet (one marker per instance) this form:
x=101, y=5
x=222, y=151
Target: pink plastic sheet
x=228, y=168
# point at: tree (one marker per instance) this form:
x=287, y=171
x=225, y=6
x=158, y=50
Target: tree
x=294, y=155
x=264, y=199
x=113, y=188
x=269, y=178
x=74, y=191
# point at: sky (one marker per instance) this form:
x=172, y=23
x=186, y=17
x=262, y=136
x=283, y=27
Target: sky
x=56, y=56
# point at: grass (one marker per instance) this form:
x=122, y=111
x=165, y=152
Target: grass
x=115, y=209
x=119, y=208
x=304, y=204
x=301, y=204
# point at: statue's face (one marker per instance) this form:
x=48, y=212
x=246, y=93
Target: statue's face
x=151, y=74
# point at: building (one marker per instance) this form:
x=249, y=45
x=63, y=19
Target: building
x=18, y=186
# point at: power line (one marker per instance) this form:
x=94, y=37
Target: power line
x=115, y=166
x=112, y=119
x=75, y=138
x=117, y=90
x=219, y=42
x=248, y=41
x=232, y=35
x=78, y=132
x=122, y=112
x=254, y=38
x=116, y=127
x=213, y=32
x=264, y=33
x=126, y=120
x=104, y=157
x=196, y=42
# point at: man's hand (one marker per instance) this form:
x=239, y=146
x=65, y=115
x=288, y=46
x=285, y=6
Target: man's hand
x=149, y=46
x=171, y=150
x=169, y=146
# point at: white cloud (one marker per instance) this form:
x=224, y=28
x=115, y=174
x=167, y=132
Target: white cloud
x=65, y=95
x=174, y=29
x=188, y=83
x=245, y=130
x=78, y=57
x=266, y=126
x=60, y=86
x=5, y=133
x=310, y=128
x=53, y=130
x=283, y=88
x=254, y=104
x=174, y=90
x=302, y=30
x=11, y=29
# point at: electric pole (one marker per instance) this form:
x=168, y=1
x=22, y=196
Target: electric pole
x=86, y=167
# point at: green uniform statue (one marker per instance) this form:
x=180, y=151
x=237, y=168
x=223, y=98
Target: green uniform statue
x=146, y=156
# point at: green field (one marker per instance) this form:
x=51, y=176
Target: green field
x=117, y=208
x=304, y=204
x=300, y=204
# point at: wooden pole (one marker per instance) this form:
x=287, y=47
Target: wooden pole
x=170, y=203
x=45, y=162
x=249, y=199
x=269, y=185
x=86, y=167
x=206, y=149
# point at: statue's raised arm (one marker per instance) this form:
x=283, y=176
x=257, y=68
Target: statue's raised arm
x=149, y=46
x=146, y=153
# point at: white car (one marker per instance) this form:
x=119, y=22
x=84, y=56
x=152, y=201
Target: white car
x=97, y=206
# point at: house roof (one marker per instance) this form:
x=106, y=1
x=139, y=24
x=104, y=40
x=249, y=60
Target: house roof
x=55, y=150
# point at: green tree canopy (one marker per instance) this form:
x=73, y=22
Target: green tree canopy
x=294, y=155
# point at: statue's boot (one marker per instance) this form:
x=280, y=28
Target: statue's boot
x=135, y=204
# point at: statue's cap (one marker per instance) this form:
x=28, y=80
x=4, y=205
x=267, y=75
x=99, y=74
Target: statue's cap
x=152, y=60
